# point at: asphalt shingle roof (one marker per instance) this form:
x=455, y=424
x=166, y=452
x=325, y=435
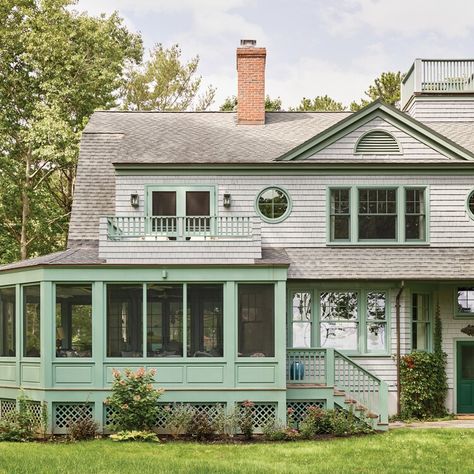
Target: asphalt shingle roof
x=343, y=263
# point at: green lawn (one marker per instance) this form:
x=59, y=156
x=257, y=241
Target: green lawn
x=400, y=451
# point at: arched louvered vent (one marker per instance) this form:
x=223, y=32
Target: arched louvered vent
x=377, y=142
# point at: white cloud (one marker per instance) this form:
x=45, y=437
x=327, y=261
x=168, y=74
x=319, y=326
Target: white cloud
x=454, y=19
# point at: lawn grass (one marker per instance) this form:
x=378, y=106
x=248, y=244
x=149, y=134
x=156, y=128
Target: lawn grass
x=400, y=451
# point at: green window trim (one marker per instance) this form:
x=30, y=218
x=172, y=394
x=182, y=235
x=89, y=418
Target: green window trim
x=456, y=312
x=362, y=321
x=428, y=322
x=401, y=214
x=277, y=220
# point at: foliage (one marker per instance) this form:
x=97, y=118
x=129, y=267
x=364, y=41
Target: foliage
x=135, y=435
x=226, y=423
x=274, y=430
x=56, y=67
x=20, y=425
x=271, y=105
x=321, y=103
x=200, y=426
x=333, y=422
x=133, y=400
x=82, y=429
x=438, y=332
x=165, y=82
x=246, y=419
x=385, y=87
x=423, y=385
x=178, y=419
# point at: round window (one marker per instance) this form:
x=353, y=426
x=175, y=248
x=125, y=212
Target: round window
x=470, y=203
x=273, y=204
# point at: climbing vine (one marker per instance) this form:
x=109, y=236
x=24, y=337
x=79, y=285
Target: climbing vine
x=423, y=379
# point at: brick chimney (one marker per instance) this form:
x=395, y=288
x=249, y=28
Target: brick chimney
x=251, y=83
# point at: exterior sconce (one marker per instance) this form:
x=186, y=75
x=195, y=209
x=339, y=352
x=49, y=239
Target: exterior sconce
x=226, y=199
x=134, y=200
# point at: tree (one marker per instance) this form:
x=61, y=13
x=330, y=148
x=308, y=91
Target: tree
x=386, y=87
x=271, y=105
x=56, y=67
x=165, y=82
x=321, y=103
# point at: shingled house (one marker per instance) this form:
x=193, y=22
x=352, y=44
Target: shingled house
x=287, y=258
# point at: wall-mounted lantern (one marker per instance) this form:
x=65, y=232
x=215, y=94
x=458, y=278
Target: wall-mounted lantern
x=134, y=200
x=227, y=200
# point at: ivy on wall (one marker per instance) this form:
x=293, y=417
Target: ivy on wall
x=423, y=379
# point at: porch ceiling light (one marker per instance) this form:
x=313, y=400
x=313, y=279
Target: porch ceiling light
x=134, y=200
x=227, y=200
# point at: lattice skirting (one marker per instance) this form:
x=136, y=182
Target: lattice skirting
x=36, y=411
x=300, y=407
x=7, y=406
x=262, y=414
x=66, y=414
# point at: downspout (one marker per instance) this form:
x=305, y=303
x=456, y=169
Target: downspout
x=397, y=318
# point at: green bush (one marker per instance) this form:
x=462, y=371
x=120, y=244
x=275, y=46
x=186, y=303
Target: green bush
x=83, y=429
x=200, y=426
x=423, y=385
x=178, y=419
x=246, y=419
x=135, y=435
x=273, y=430
x=133, y=400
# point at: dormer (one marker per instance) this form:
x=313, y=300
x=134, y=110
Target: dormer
x=439, y=90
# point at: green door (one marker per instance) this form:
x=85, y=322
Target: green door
x=465, y=383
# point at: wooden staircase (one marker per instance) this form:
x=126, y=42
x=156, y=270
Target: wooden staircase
x=328, y=375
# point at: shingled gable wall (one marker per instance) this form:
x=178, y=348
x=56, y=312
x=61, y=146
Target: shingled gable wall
x=251, y=85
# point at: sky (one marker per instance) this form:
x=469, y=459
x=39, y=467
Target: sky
x=314, y=47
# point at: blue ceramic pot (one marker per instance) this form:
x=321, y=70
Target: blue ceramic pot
x=297, y=371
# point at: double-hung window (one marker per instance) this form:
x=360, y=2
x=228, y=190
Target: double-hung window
x=364, y=215
x=421, y=322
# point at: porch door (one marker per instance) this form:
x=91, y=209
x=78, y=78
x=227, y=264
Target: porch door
x=465, y=377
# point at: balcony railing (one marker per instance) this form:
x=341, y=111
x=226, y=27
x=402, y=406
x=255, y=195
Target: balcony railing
x=178, y=228
x=440, y=76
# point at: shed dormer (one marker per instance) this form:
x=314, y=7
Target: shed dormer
x=439, y=90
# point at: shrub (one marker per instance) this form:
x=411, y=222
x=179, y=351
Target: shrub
x=133, y=400
x=82, y=429
x=178, y=419
x=423, y=385
x=200, y=426
x=226, y=424
x=317, y=421
x=20, y=425
x=246, y=419
x=135, y=435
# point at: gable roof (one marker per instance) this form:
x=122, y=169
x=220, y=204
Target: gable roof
x=423, y=133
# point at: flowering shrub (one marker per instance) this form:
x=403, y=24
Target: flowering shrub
x=246, y=419
x=133, y=400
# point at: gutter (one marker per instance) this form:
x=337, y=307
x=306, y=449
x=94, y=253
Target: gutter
x=397, y=318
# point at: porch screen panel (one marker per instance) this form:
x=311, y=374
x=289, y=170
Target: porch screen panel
x=205, y=320
x=377, y=214
x=421, y=322
x=124, y=320
x=74, y=320
x=256, y=315
x=7, y=322
x=31, y=321
x=339, y=319
x=376, y=321
x=301, y=319
x=164, y=320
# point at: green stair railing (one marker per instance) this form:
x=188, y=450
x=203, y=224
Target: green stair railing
x=331, y=368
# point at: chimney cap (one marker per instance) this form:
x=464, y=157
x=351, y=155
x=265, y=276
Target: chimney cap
x=248, y=43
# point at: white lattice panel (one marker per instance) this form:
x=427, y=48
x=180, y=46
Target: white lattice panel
x=300, y=408
x=7, y=406
x=66, y=414
x=36, y=412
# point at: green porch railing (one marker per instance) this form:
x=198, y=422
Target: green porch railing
x=178, y=227
x=331, y=368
